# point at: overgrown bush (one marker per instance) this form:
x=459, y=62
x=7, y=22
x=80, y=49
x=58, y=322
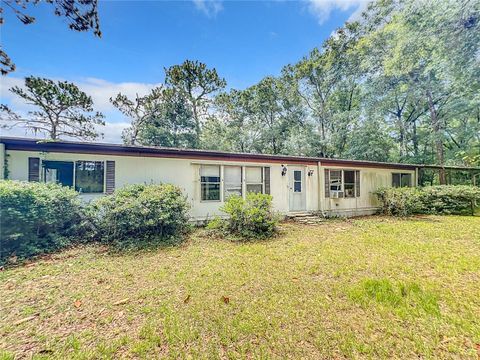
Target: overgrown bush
x=138, y=214
x=452, y=199
x=400, y=201
x=36, y=218
x=249, y=218
x=442, y=199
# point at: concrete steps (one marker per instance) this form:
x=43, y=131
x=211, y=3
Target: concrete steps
x=306, y=218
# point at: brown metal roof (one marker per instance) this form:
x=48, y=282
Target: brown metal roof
x=63, y=146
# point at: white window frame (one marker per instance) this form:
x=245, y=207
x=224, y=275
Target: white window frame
x=298, y=181
x=222, y=179
x=330, y=180
x=262, y=183
x=225, y=184
x=220, y=183
x=342, y=183
x=354, y=184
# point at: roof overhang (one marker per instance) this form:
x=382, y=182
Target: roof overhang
x=28, y=144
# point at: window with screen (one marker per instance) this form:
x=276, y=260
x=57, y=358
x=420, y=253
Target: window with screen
x=342, y=183
x=335, y=180
x=401, y=180
x=254, y=179
x=210, y=182
x=89, y=176
x=349, y=183
x=232, y=181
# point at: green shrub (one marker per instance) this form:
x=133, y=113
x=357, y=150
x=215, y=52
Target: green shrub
x=400, y=201
x=442, y=199
x=37, y=218
x=138, y=214
x=450, y=199
x=250, y=218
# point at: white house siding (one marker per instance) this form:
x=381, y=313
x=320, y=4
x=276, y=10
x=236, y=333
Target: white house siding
x=371, y=179
x=184, y=173
x=179, y=171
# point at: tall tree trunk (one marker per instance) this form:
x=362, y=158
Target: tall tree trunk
x=415, y=140
x=53, y=132
x=197, y=125
x=437, y=132
x=403, y=136
x=133, y=139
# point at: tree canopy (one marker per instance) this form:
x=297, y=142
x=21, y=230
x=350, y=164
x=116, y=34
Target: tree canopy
x=62, y=109
x=81, y=15
x=400, y=84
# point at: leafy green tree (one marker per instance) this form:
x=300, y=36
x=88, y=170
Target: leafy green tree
x=274, y=112
x=327, y=82
x=217, y=135
x=81, y=16
x=62, y=109
x=139, y=110
x=197, y=84
x=172, y=123
x=370, y=142
x=232, y=128
x=434, y=48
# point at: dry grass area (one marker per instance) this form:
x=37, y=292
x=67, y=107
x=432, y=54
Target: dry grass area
x=370, y=287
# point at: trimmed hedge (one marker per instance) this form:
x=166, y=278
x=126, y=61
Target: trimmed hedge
x=138, y=214
x=442, y=199
x=249, y=218
x=37, y=218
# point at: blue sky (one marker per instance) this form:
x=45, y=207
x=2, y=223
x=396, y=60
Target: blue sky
x=243, y=40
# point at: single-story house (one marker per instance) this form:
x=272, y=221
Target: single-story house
x=333, y=187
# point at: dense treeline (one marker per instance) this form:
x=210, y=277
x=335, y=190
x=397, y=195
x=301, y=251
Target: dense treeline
x=400, y=84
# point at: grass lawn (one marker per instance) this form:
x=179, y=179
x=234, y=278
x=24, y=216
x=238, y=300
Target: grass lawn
x=370, y=287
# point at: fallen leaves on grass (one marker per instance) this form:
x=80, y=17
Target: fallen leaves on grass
x=77, y=304
x=226, y=299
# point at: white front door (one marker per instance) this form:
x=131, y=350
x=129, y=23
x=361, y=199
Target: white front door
x=297, y=190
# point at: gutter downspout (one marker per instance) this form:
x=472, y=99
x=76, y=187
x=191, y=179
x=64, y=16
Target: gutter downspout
x=2, y=161
x=475, y=184
x=319, y=190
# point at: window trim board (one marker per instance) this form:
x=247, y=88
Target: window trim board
x=222, y=179
x=328, y=178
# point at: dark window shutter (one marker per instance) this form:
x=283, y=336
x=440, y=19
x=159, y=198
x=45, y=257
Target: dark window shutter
x=357, y=183
x=266, y=179
x=327, y=183
x=33, y=169
x=110, y=177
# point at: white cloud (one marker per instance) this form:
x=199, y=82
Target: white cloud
x=322, y=9
x=209, y=7
x=112, y=132
x=100, y=90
